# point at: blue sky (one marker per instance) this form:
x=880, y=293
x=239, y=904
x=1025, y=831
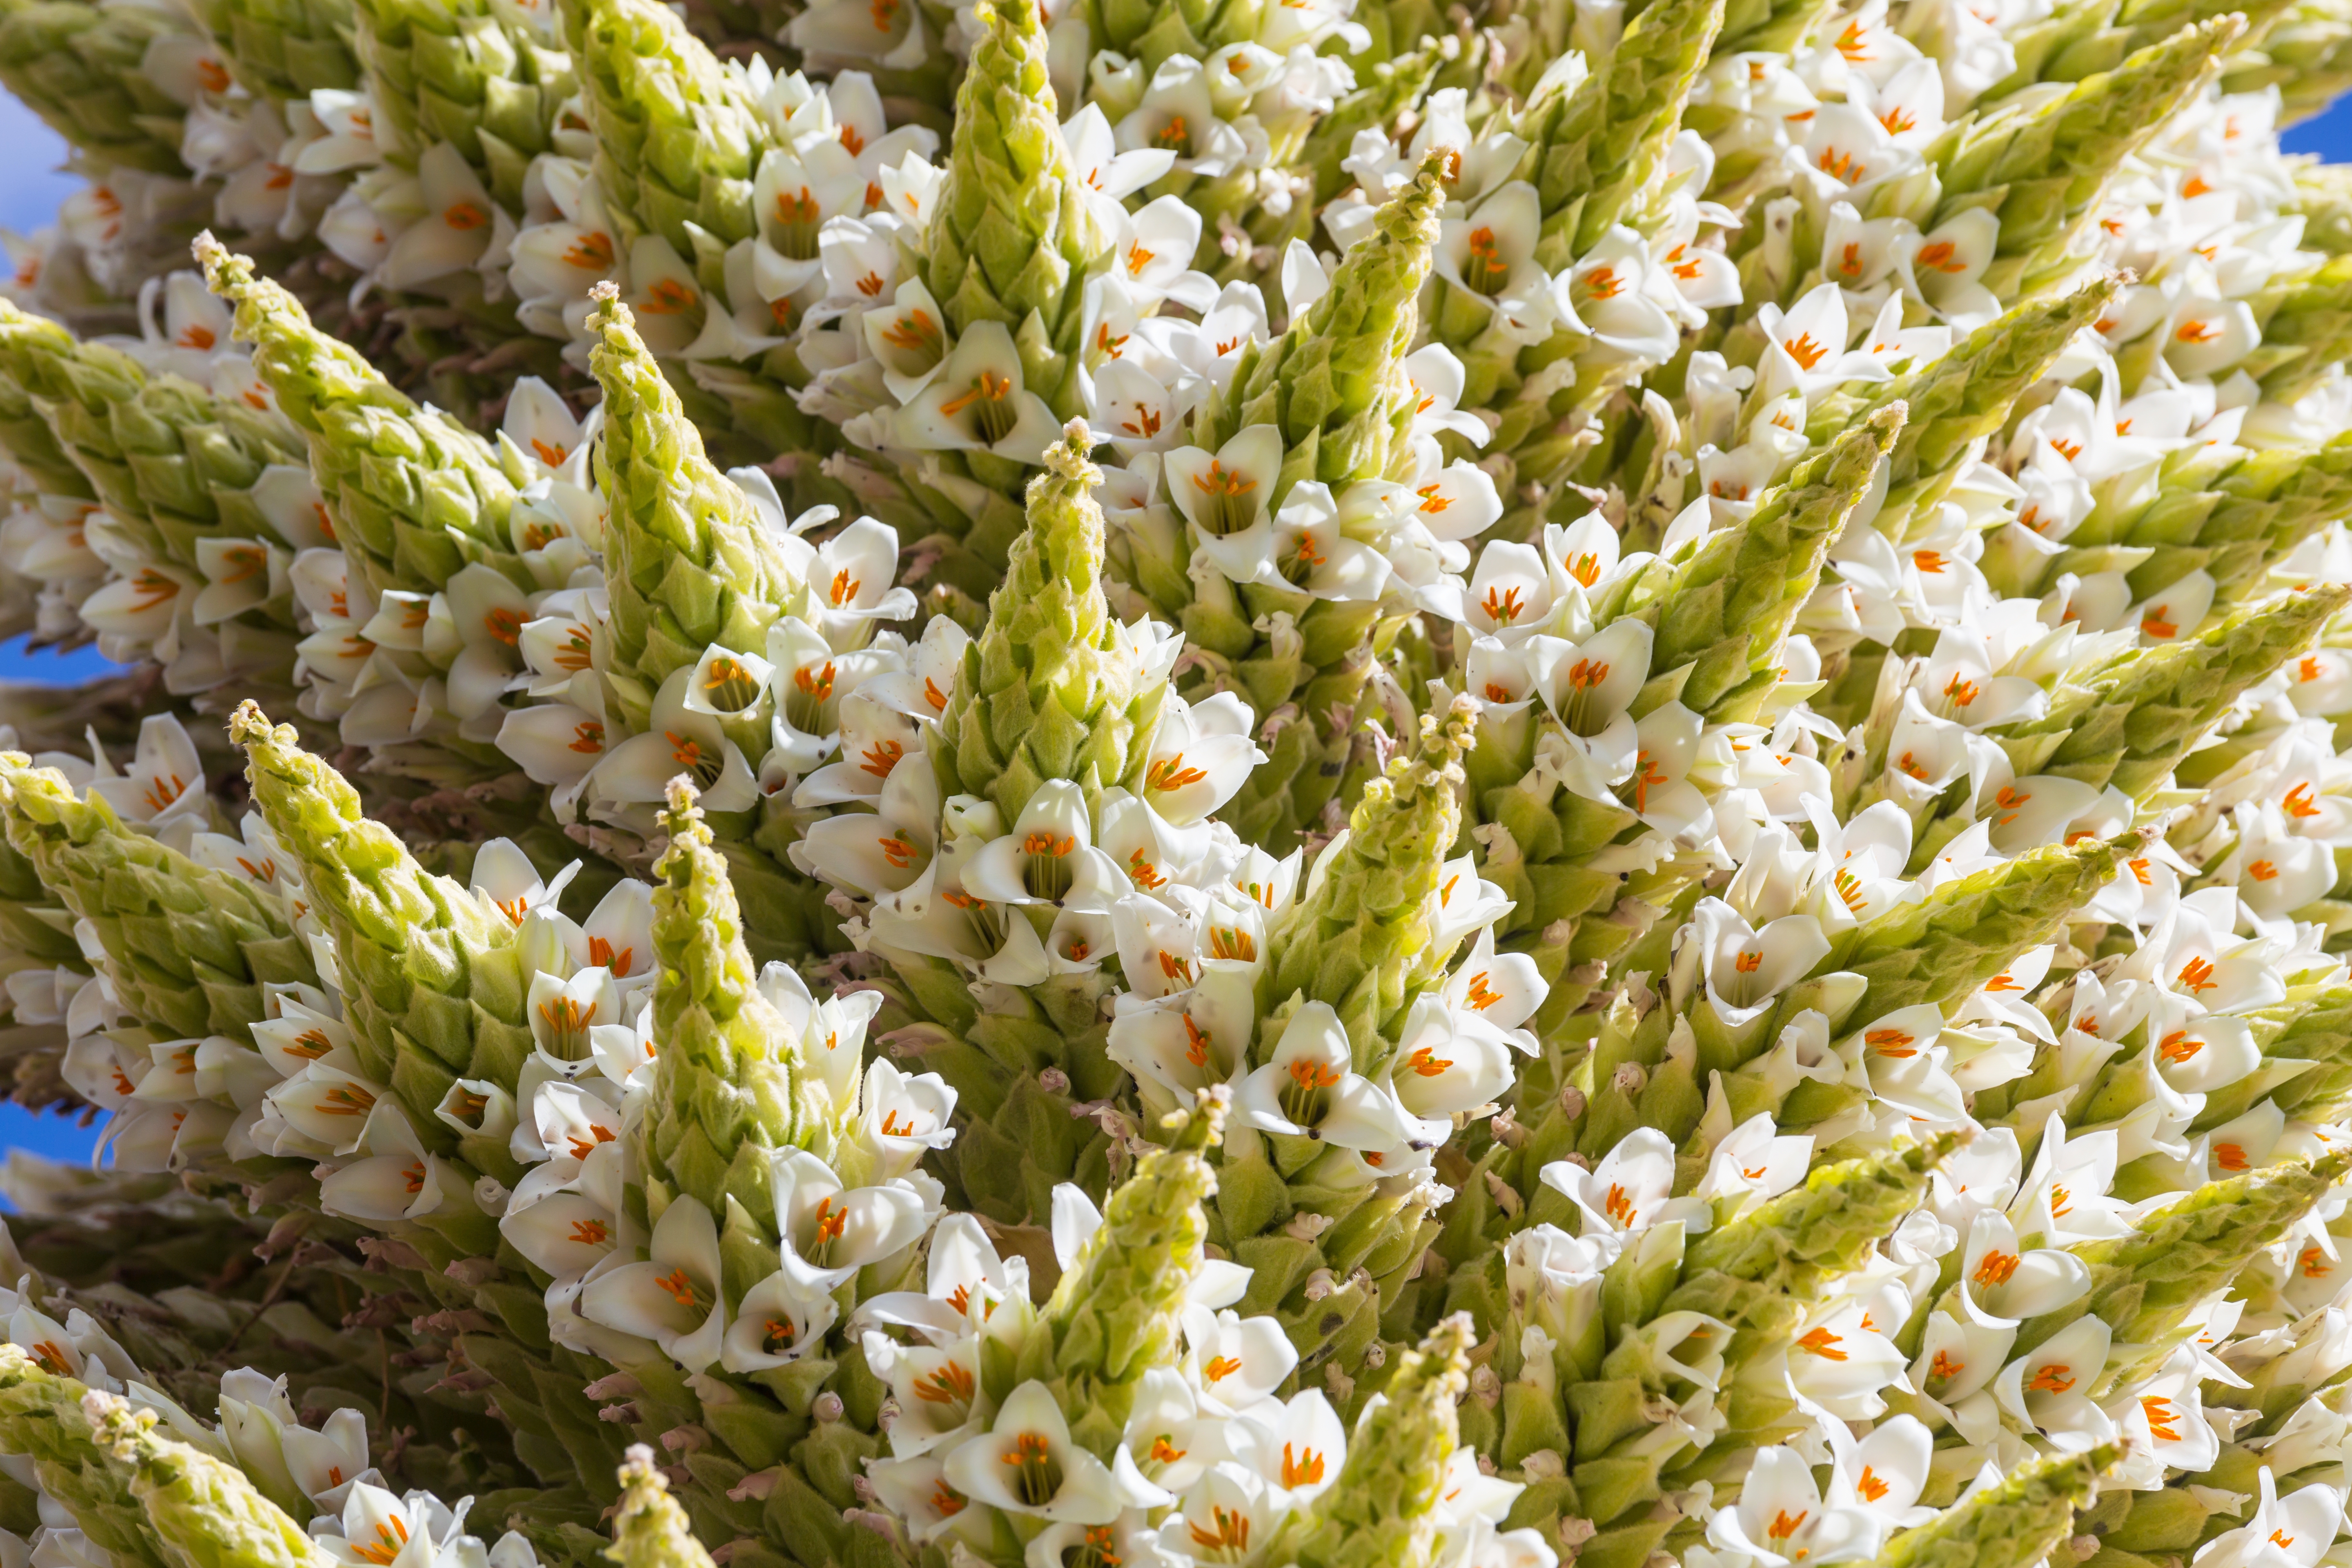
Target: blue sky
x=30, y=189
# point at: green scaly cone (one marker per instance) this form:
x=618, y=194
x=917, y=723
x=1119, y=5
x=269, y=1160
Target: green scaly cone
x=2323, y=198
x=690, y=565
x=80, y=67
x=2014, y=1524
x=458, y=72
x=729, y=1085
x=1760, y=1271
x=284, y=49
x=188, y=948
x=2308, y=56
x=2144, y=1285
x=2306, y=326
x=177, y=465
x=1012, y=241
x=2086, y=37
x=649, y=1529
x=1043, y=694
x=1362, y=941
x=434, y=987
x=2042, y=169
x=2230, y=520
x=1758, y=1274
x=31, y=347
x=1045, y=690
x=202, y=1510
x=1720, y=619
x=1361, y=945
x=412, y=496
x=1774, y=26
x=1950, y=943
x=679, y=143
x=1334, y=386
x=1012, y=236
x=1114, y=1315
x=2129, y=723
x=1725, y=612
x=1383, y=1511
x=1593, y=151
x=1961, y=399
x=677, y=140
x=41, y=1416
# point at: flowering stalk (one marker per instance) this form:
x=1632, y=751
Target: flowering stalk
x=1334, y=389
x=202, y=1510
x=1385, y=1509
x=2050, y=162
x=649, y=1529
x=2013, y=1524
x=284, y=49
x=80, y=67
x=189, y=948
x=2129, y=722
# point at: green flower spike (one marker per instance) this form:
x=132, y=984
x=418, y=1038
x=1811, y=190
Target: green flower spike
x=1047, y=689
x=284, y=49
x=2084, y=36
x=462, y=72
x=1332, y=384
x=649, y=1529
x=677, y=136
x=1361, y=941
x=1950, y=943
x=2130, y=723
x=2308, y=56
x=1773, y=27
x=729, y=1085
x=41, y=1416
x=1045, y=693
x=1596, y=150
x=1721, y=615
x=1383, y=1511
x=1114, y=1315
x=31, y=349
x=2323, y=197
x=1958, y=400
x=413, y=496
x=1012, y=238
x=689, y=561
x=177, y=466
x=1335, y=388
x=2230, y=517
x=2306, y=326
x=1758, y=1272
x=188, y=948
x=203, y=1511
x=433, y=984
x=2041, y=167
x=2014, y=1524
x=81, y=68
x=2144, y=1285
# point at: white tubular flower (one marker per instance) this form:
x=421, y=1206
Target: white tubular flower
x=1201, y=754
x=830, y=1231
x=2049, y=1387
x=674, y=1297
x=1048, y=859
x=1782, y=1518
x=1297, y=1446
x=1310, y=1089
x=1627, y=1191
x=776, y=1324
x=977, y=402
x=1026, y=1463
x=939, y=1400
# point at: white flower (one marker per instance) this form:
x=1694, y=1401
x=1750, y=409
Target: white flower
x=1026, y=1463
x=673, y=1298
